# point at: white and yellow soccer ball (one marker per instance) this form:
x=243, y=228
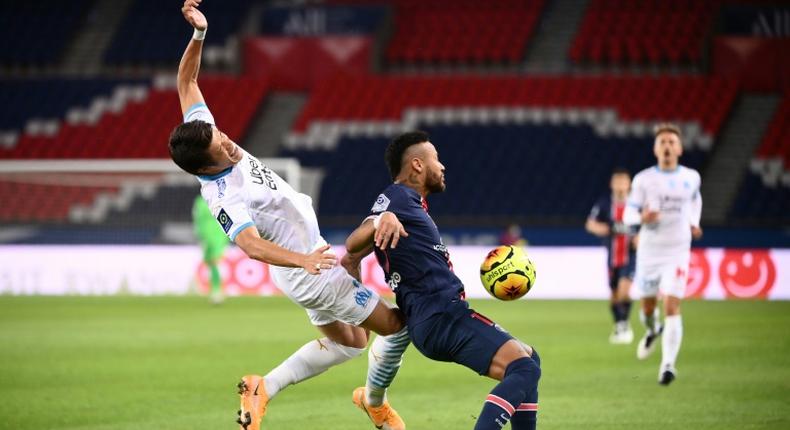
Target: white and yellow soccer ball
x=507, y=273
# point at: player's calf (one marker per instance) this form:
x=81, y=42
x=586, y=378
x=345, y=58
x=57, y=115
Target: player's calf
x=521, y=378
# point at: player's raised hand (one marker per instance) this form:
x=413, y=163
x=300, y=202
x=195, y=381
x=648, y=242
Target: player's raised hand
x=194, y=17
x=389, y=232
x=319, y=259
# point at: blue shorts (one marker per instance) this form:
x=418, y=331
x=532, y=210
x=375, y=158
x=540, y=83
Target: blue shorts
x=461, y=335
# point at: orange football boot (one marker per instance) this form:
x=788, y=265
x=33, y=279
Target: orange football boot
x=253, y=402
x=384, y=417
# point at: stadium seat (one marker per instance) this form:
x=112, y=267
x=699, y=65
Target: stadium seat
x=36, y=32
x=149, y=35
x=654, y=32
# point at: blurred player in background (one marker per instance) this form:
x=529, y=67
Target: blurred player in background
x=512, y=236
x=606, y=222
x=274, y=224
x=213, y=241
x=417, y=267
x=666, y=201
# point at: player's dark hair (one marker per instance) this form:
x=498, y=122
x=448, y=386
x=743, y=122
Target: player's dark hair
x=393, y=155
x=620, y=171
x=189, y=144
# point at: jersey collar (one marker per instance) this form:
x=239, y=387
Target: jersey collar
x=675, y=170
x=216, y=175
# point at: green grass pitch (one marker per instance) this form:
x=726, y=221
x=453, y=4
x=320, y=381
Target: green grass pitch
x=101, y=363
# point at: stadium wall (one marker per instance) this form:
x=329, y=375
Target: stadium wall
x=563, y=272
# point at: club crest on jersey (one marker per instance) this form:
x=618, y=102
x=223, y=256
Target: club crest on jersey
x=382, y=203
x=362, y=295
x=221, y=186
x=224, y=220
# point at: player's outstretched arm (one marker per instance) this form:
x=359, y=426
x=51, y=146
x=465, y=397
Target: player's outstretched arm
x=188, y=91
x=269, y=252
x=383, y=230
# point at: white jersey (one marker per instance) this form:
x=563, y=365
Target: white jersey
x=250, y=194
x=675, y=195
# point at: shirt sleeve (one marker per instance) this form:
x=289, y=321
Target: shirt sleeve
x=199, y=112
x=597, y=213
x=232, y=215
x=696, y=207
x=389, y=200
x=636, y=200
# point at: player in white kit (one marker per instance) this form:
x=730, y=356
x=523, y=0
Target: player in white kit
x=665, y=199
x=273, y=223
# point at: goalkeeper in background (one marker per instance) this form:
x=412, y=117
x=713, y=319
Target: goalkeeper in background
x=213, y=241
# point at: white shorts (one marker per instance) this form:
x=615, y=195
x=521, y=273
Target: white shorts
x=668, y=275
x=333, y=295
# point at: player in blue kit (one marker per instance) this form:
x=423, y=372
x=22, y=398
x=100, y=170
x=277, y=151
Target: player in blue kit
x=417, y=267
x=606, y=221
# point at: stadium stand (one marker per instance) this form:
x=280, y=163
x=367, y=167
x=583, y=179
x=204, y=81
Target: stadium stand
x=132, y=123
x=644, y=31
x=27, y=104
x=765, y=192
x=45, y=26
x=463, y=31
x=690, y=98
x=136, y=123
x=147, y=35
x=511, y=124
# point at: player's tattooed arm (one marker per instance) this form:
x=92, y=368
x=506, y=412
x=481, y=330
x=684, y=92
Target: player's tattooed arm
x=188, y=91
x=269, y=252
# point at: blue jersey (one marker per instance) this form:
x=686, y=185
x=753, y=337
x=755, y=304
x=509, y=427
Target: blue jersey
x=419, y=268
x=618, y=243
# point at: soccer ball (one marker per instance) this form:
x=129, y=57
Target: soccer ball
x=507, y=273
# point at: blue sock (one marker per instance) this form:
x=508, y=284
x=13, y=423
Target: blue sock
x=626, y=310
x=521, y=377
x=615, y=308
x=526, y=416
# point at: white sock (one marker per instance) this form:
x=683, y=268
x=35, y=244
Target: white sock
x=384, y=360
x=310, y=360
x=670, y=344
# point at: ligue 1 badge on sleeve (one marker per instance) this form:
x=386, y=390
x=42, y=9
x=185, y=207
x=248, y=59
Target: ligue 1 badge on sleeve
x=224, y=220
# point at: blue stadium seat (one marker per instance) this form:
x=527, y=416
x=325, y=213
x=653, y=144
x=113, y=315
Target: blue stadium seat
x=36, y=32
x=156, y=33
x=25, y=99
x=493, y=171
x=759, y=203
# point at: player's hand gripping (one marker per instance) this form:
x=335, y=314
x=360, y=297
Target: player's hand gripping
x=194, y=17
x=319, y=259
x=389, y=232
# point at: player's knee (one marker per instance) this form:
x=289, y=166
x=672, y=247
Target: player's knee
x=351, y=351
x=535, y=357
x=526, y=369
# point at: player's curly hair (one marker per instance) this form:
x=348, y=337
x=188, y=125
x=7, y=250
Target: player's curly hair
x=393, y=155
x=189, y=144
